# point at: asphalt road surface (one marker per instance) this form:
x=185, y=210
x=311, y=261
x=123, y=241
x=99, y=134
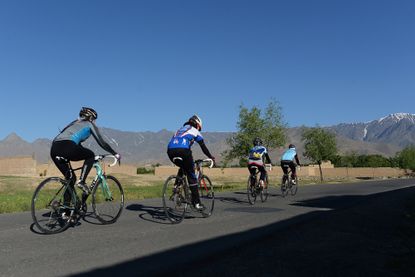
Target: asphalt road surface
x=143, y=242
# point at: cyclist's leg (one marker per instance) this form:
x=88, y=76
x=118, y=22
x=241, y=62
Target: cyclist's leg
x=176, y=153
x=74, y=152
x=189, y=168
x=284, y=168
x=60, y=149
x=252, y=173
x=81, y=153
x=293, y=170
x=263, y=172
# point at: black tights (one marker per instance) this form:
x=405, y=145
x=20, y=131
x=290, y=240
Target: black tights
x=73, y=152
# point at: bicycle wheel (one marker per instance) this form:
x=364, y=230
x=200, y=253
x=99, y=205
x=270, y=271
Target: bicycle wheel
x=207, y=196
x=294, y=186
x=53, y=205
x=264, y=191
x=284, y=185
x=107, y=199
x=174, y=199
x=251, y=191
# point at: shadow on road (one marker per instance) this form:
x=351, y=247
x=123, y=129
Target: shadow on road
x=359, y=236
x=157, y=215
x=149, y=213
x=242, y=198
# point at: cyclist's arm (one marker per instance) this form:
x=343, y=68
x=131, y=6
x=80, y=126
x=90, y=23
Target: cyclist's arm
x=101, y=141
x=205, y=149
x=267, y=158
x=297, y=160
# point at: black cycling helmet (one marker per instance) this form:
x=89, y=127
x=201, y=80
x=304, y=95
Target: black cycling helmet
x=88, y=113
x=195, y=121
x=291, y=146
x=257, y=141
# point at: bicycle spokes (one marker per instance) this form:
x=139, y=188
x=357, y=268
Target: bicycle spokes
x=53, y=204
x=108, y=199
x=174, y=200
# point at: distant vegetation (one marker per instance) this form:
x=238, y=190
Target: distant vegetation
x=404, y=159
x=144, y=170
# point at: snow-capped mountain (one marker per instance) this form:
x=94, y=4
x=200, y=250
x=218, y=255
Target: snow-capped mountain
x=396, y=129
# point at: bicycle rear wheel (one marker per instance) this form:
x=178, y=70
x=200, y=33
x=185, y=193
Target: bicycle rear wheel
x=264, y=191
x=251, y=191
x=108, y=199
x=207, y=196
x=53, y=205
x=294, y=187
x=174, y=199
x=284, y=185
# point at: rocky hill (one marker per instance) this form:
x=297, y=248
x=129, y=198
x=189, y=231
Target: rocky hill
x=384, y=136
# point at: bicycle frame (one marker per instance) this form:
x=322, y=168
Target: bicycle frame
x=199, y=173
x=177, y=195
x=100, y=176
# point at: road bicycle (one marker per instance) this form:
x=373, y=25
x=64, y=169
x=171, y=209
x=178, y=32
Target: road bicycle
x=287, y=184
x=56, y=204
x=177, y=196
x=254, y=188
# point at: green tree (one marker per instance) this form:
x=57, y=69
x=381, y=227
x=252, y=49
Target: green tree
x=406, y=158
x=269, y=126
x=319, y=145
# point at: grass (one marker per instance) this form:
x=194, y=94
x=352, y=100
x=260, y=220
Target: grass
x=16, y=192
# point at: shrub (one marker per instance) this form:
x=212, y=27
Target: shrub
x=144, y=170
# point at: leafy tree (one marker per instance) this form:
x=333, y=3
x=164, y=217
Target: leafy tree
x=406, y=158
x=319, y=145
x=269, y=126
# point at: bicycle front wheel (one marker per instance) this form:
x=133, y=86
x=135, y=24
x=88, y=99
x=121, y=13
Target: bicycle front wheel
x=53, y=205
x=107, y=199
x=174, y=200
x=207, y=196
x=251, y=190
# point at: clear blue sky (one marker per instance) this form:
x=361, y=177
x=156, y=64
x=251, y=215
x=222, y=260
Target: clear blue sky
x=149, y=65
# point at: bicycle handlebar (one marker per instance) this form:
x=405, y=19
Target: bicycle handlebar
x=205, y=161
x=101, y=157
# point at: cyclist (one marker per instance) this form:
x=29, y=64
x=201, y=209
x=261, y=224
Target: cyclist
x=67, y=144
x=288, y=158
x=256, y=158
x=180, y=147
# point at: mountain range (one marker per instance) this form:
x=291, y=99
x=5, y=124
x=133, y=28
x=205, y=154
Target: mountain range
x=384, y=136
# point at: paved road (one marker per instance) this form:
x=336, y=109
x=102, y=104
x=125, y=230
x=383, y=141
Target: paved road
x=144, y=238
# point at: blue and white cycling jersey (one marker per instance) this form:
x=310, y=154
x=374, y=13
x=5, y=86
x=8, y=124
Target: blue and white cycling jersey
x=185, y=137
x=289, y=155
x=256, y=155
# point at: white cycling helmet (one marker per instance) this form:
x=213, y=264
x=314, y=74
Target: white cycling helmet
x=196, y=120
